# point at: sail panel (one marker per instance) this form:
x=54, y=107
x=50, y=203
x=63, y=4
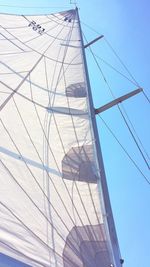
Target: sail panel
x=51, y=206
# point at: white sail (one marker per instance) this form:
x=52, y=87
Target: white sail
x=51, y=203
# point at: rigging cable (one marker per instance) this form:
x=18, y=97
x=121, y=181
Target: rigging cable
x=134, y=81
x=123, y=106
x=109, y=65
x=146, y=96
x=125, y=67
x=135, y=132
x=140, y=150
x=133, y=137
x=122, y=63
x=135, y=164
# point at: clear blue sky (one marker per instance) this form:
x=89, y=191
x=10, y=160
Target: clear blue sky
x=126, y=25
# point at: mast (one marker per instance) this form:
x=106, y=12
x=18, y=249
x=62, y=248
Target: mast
x=102, y=182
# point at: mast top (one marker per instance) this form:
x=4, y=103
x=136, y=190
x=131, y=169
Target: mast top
x=73, y=3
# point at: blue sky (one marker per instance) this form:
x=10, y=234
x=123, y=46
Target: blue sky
x=125, y=24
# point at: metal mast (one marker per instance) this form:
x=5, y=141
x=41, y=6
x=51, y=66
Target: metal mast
x=117, y=262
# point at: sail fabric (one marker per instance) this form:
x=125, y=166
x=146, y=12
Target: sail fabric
x=51, y=204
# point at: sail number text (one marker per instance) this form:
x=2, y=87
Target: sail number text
x=36, y=27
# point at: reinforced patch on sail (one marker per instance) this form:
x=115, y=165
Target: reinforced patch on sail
x=86, y=246
x=78, y=165
x=76, y=90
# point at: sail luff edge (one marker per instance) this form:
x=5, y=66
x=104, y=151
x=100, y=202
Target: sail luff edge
x=105, y=193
